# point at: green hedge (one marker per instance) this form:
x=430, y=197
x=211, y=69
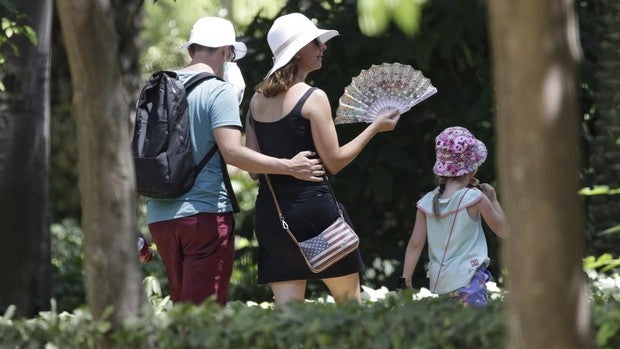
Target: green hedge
x=395, y=321
x=390, y=323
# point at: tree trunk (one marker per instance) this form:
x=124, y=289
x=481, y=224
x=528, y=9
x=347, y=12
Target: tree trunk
x=25, y=263
x=92, y=43
x=535, y=51
x=605, y=155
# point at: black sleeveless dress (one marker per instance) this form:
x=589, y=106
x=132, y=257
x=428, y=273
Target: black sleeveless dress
x=308, y=207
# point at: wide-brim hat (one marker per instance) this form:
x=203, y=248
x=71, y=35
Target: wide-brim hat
x=288, y=34
x=458, y=152
x=215, y=32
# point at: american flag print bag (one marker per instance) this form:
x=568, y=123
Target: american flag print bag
x=325, y=249
x=330, y=246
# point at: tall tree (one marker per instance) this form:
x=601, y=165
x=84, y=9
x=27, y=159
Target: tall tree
x=25, y=263
x=535, y=53
x=95, y=35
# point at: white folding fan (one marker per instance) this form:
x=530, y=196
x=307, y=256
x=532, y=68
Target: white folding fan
x=381, y=88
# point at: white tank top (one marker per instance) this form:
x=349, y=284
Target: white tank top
x=467, y=249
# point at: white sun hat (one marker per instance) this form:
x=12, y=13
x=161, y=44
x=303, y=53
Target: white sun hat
x=288, y=34
x=215, y=32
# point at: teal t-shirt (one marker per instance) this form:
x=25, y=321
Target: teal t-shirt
x=212, y=104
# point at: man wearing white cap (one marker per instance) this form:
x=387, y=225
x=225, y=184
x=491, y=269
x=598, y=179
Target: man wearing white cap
x=195, y=232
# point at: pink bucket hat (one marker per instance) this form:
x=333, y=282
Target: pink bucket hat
x=457, y=152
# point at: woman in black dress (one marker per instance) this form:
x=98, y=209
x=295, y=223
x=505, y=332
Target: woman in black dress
x=287, y=116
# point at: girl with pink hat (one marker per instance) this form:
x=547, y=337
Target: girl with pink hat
x=287, y=114
x=450, y=218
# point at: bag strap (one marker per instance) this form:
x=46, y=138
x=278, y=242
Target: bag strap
x=280, y=215
x=273, y=193
x=189, y=85
x=448, y=242
x=268, y=180
x=329, y=184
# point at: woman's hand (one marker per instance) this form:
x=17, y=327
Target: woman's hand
x=386, y=121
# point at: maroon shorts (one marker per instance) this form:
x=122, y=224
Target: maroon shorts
x=198, y=253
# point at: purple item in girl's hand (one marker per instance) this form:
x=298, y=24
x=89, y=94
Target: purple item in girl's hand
x=475, y=293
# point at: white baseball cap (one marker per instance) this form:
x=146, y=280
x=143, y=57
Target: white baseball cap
x=215, y=32
x=288, y=34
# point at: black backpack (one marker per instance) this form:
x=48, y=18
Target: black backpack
x=161, y=145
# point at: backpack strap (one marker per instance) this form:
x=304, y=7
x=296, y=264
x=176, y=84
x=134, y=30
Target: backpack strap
x=197, y=79
x=206, y=159
x=227, y=183
x=192, y=83
x=229, y=188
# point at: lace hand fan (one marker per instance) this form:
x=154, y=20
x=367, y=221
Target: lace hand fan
x=382, y=88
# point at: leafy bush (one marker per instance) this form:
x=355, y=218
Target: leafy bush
x=385, y=320
x=67, y=261
x=396, y=322
x=605, y=278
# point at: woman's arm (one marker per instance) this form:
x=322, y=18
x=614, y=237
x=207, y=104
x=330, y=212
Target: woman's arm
x=334, y=156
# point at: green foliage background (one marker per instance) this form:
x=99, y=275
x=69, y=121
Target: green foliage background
x=381, y=186
x=450, y=45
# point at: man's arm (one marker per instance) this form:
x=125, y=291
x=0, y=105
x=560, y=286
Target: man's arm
x=251, y=141
x=304, y=166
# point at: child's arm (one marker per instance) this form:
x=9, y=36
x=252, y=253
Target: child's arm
x=491, y=210
x=414, y=247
